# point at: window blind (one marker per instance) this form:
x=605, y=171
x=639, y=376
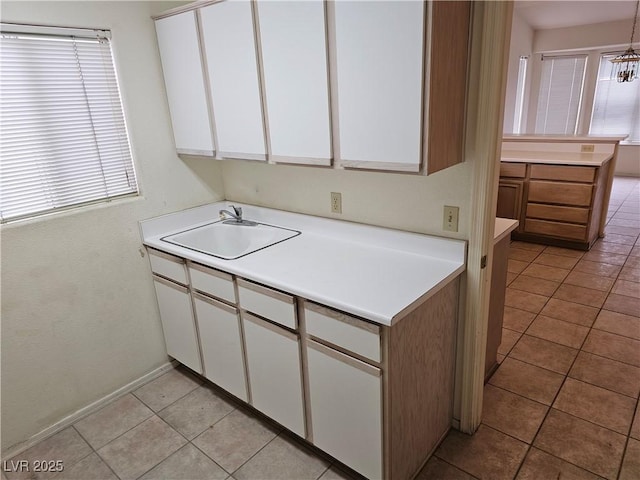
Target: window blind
x=560, y=94
x=63, y=136
x=616, y=106
x=522, y=77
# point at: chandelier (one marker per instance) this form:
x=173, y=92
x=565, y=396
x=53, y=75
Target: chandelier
x=625, y=66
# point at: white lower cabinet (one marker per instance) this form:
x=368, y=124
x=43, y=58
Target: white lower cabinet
x=275, y=378
x=178, y=323
x=221, y=343
x=346, y=408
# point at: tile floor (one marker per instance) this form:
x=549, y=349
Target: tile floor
x=562, y=404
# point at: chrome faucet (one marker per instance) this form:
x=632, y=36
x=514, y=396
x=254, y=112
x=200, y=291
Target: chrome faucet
x=236, y=217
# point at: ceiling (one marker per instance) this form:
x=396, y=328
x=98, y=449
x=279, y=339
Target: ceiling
x=544, y=14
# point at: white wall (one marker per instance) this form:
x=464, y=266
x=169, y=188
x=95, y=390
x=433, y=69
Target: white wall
x=79, y=317
x=521, y=45
x=612, y=34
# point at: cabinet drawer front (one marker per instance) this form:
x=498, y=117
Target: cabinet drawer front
x=346, y=410
x=555, y=212
x=276, y=306
x=275, y=377
x=168, y=266
x=562, y=193
x=563, y=172
x=343, y=330
x=517, y=170
x=556, y=229
x=212, y=282
x=178, y=323
x=221, y=345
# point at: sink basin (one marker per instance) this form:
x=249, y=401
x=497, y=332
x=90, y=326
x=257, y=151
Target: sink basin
x=230, y=241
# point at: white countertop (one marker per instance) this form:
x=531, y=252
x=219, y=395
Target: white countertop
x=556, y=158
x=372, y=272
x=503, y=227
x=564, y=138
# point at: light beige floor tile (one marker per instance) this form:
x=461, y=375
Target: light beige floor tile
x=335, y=473
x=437, y=469
x=89, y=468
x=516, y=319
x=197, y=411
x=623, y=304
x=544, y=271
x=595, y=268
x=631, y=463
x=168, y=388
x=606, y=373
x=633, y=262
x=522, y=254
x=605, y=257
x=616, y=347
x=621, y=239
x=530, y=302
x=566, y=252
x=282, y=458
x=511, y=277
x=187, y=463
x=528, y=246
x=586, y=280
x=113, y=420
x=626, y=287
x=630, y=273
x=539, y=465
x=509, y=339
x=597, y=405
x=535, y=285
x=635, y=427
x=625, y=325
x=141, y=448
x=611, y=247
x=527, y=380
x=584, y=296
x=570, y=312
x=235, y=439
x=544, y=353
x=584, y=444
x=631, y=231
x=635, y=251
x=560, y=261
x=516, y=266
x=558, y=331
x=66, y=446
x=512, y=414
x=486, y=454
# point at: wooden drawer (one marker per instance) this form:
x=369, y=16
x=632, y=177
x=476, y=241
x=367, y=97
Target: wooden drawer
x=212, y=282
x=564, y=173
x=556, y=229
x=265, y=302
x=555, y=212
x=353, y=334
x=168, y=266
x=562, y=193
x=517, y=170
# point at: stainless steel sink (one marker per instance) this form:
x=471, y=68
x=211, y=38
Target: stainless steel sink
x=230, y=240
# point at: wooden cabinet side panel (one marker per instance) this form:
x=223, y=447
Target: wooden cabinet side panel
x=420, y=381
x=496, y=302
x=597, y=208
x=447, y=83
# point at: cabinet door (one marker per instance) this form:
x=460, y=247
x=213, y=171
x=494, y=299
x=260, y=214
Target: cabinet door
x=221, y=343
x=346, y=409
x=294, y=61
x=379, y=56
x=178, y=323
x=184, y=81
x=230, y=51
x=509, y=199
x=275, y=380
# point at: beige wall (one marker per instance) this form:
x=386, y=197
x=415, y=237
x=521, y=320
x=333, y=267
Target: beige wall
x=521, y=45
x=79, y=318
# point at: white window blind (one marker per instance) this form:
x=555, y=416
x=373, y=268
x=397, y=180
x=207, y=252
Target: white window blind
x=616, y=106
x=560, y=94
x=63, y=135
x=519, y=107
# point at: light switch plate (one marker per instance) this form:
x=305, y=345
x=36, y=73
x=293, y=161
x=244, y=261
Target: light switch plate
x=336, y=202
x=450, y=220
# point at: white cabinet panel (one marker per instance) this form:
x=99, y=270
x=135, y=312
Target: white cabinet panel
x=168, y=266
x=178, y=323
x=294, y=60
x=184, y=81
x=346, y=409
x=379, y=55
x=230, y=51
x=212, y=282
x=221, y=343
x=273, y=358
x=276, y=306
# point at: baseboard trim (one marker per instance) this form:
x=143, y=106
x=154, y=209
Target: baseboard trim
x=85, y=411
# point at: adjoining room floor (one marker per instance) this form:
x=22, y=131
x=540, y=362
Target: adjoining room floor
x=561, y=404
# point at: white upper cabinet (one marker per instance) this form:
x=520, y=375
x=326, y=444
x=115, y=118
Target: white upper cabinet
x=294, y=60
x=184, y=81
x=232, y=66
x=379, y=48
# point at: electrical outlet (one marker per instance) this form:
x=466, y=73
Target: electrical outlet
x=587, y=148
x=450, y=220
x=336, y=202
